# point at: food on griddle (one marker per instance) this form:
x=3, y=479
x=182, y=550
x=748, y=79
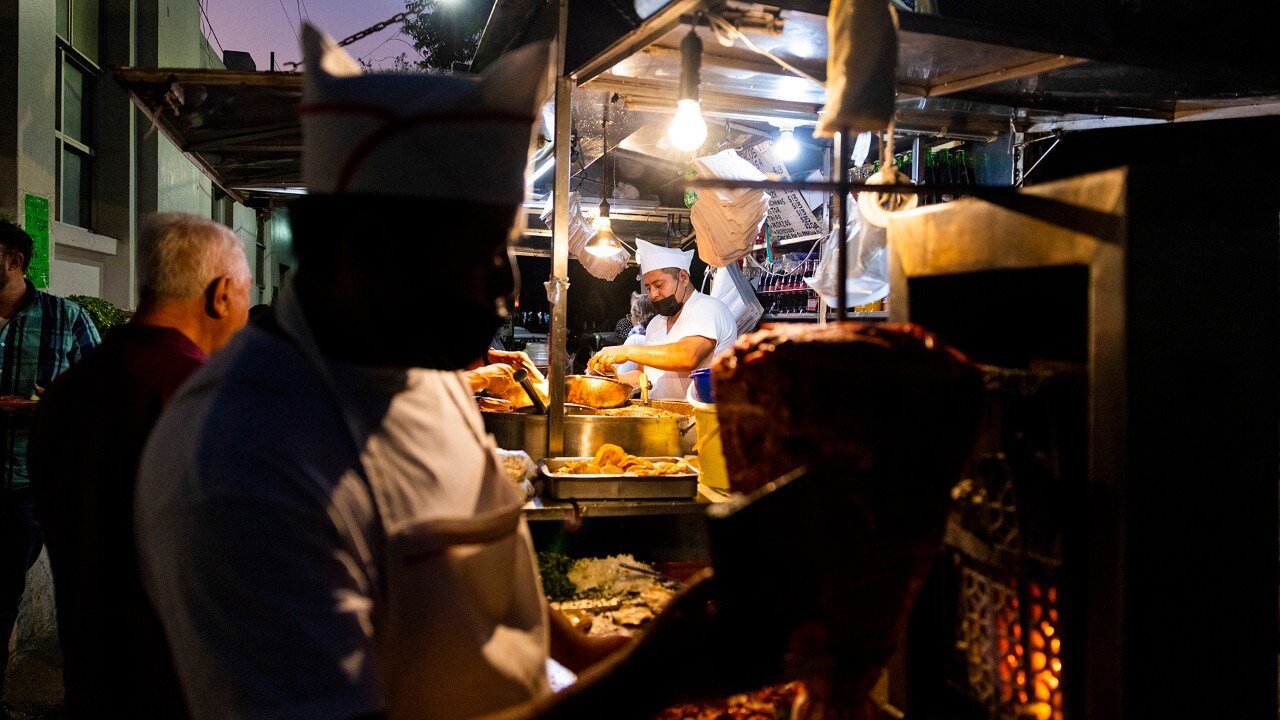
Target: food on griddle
x=776, y=702
x=885, y=434
x=639, y=411
x=613, y=460
x=489, y=404
x=603, y=596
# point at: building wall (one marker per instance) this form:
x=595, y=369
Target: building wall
x=136, y=171
x=36, y=87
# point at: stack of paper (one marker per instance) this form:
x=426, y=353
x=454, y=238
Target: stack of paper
x=727, y=221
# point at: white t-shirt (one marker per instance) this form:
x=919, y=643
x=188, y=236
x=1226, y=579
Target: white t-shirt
x=702, y=315
x=258, y=538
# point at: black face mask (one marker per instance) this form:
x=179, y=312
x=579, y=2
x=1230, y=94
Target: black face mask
x=669, y=305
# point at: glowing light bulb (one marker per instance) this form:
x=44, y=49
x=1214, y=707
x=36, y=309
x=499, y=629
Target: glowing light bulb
x=787, y=147
x=605, y=243
x=688, y=130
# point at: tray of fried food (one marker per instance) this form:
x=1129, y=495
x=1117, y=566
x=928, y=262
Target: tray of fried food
x=613, y=460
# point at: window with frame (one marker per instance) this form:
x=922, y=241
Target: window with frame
x=77, y=55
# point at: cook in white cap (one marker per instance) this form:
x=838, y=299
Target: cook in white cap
x=689, y=329
x=322, y=525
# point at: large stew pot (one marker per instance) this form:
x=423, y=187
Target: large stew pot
x=595, y=391
x=584, y=434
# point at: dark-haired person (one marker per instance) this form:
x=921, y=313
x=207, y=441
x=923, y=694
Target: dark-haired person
x=193, y=284
x=689, y=329
x=41, y=335
x=327, y=532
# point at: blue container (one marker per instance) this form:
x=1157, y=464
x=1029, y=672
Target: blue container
x=702, y=390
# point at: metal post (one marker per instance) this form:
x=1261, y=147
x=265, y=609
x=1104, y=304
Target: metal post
x=558, y=287
x=915, y=160
x=841, y=157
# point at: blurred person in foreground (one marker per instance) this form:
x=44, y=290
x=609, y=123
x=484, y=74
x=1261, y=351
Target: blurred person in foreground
x=41, y=335
x=327, y=532
x=90, y=428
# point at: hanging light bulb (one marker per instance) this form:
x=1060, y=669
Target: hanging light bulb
x=787, y=147
x=688, y=129
x=605, y=243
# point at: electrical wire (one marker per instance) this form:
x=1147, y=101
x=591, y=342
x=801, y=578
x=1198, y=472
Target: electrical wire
x=290, y=20
x=212, y=32
x=720, y=25
x=384, y=42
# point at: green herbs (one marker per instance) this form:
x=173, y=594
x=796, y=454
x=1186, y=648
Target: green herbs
x=554, y=569
x=103, y=314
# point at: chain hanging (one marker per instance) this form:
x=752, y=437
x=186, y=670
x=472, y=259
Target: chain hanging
x=399, y=17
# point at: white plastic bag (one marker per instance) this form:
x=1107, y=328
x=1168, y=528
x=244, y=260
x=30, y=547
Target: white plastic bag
x=867, y=259
x=731, y=287
x=580, y=231
x=867, y=255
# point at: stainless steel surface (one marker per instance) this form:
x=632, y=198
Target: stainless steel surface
x=559, y=510
x=596, y=391
x=614, y=487
x=584, y=434
x=972, y=236
x=653, y=27
x=841, y=155
x=553, y=441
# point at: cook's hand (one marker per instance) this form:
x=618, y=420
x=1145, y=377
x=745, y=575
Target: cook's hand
x=495, y=379
x=516, y=359
x=604, y=360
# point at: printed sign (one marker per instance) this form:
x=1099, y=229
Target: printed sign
x=789, y=218
x=35, y=220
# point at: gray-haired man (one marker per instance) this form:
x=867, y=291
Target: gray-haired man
x=194, y=284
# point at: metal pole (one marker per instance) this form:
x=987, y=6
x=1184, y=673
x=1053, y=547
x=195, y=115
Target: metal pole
x=558, y=287
x=915, y=160
x=841, y=157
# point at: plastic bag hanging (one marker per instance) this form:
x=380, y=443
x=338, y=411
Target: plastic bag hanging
x=580, y=231
x=862, y=66
x=867, y=255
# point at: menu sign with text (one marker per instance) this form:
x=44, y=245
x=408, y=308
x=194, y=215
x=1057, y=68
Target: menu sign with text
x=789, y=217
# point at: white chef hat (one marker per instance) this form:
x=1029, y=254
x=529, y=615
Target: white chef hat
x=656, y=257
x=438, y=136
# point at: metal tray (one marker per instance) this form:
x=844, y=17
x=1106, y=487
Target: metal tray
x=615, y=487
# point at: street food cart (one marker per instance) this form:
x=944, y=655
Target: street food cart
x=1111, y=394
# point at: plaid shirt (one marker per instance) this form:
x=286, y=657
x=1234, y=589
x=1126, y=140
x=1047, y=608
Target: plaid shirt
x=46, y=336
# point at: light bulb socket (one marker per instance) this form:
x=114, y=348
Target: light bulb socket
x=690, y=65
x=604, y=207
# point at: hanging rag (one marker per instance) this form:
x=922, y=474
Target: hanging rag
x=862, y=66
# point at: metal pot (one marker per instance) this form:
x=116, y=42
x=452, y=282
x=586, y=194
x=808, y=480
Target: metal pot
x=584, y=434
x=596, y=391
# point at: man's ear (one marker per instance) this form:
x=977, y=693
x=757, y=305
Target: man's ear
x=217, y=298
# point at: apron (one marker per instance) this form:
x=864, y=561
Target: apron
x=461, y=630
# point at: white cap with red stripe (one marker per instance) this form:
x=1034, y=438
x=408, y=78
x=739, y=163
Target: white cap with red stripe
x=460, y=136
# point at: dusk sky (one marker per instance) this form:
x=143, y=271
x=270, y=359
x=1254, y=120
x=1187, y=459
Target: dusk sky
x=261, y=26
